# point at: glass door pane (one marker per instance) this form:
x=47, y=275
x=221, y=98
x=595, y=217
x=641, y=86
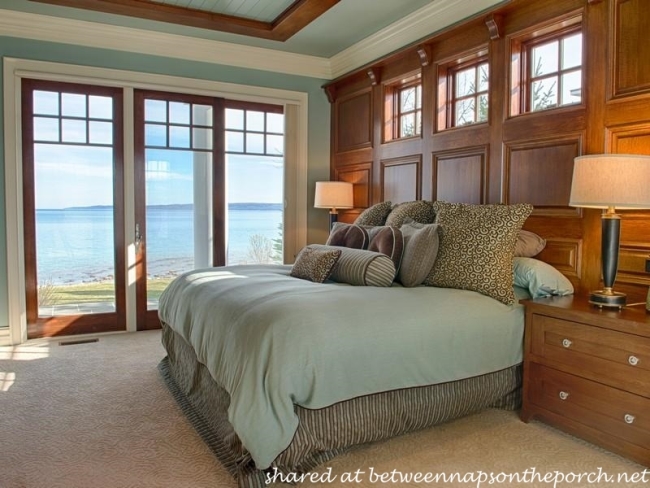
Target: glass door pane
x=75, y=251
x=74, y=208
x=255, y=185
x=176, y=216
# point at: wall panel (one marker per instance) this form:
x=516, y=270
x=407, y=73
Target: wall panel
x=460, y=176
x=540, y=172
x=518, y=157
x=353, y=121
x=631, y=49
x=401, y=179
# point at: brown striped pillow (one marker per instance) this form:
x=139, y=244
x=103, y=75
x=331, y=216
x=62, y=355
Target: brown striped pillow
x=389, y=241
x=361, y=267
x=348, y=235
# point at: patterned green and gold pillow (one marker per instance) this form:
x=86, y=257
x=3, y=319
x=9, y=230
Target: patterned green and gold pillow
x=315, y=264
x=419, y=211
x=477, y=244
x=375, y=215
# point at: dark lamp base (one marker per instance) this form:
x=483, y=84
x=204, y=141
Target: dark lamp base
x=612, y=299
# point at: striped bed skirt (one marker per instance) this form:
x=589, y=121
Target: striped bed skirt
x=325, y=433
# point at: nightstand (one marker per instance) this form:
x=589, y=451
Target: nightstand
x=587, y=372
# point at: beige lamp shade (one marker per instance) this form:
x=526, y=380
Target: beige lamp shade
x=333, y=194
x=611, y=180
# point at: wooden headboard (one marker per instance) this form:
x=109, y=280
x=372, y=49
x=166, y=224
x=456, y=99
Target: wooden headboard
x=512, y=157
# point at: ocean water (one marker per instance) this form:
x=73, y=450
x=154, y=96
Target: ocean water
x=76, y=245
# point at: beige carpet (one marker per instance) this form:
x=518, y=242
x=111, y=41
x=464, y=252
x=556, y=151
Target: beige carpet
x=98, y=416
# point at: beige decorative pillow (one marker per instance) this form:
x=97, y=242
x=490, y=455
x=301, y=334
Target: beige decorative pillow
x=477, y=244
x=529, y=244
x=420, y=251
x=419, y=211
x=375, y=215
x=388, y=241
x=315, y=264
x=361, y=267
x=348, y=235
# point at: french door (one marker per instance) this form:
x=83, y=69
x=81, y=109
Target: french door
x=179, y=188
x=73, y=201
x=208, y=176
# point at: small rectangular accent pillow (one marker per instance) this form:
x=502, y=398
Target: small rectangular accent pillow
x=540, y=278
x=315, y=264
x=420, y=251
x=477, y=244
x=360, y=267
x=529, y=244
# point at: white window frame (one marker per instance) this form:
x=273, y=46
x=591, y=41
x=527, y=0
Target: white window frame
x=295, y=155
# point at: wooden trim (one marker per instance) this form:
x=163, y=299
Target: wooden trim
x=219, y=224
x=424, y=55
x=373, y=74
x=293, y=19
x=259, y=106
x=494, y=24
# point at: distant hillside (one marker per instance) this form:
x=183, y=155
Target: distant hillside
x=185, y=206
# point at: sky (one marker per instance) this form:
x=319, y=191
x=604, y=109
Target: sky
x=80, y=176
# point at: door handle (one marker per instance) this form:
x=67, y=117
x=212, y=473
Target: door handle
x=138, y=238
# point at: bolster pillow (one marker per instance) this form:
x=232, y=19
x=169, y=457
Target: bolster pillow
x=362, y=268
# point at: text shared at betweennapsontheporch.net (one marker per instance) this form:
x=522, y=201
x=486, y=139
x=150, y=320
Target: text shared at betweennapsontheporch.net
x=475, y=479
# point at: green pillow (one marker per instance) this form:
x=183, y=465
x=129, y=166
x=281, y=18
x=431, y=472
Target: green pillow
x=540, y=278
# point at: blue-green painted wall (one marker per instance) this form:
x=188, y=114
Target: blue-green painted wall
x=319, y=113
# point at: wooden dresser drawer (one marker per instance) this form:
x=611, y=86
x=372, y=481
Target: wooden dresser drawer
x=611, y=357
x=611, y=411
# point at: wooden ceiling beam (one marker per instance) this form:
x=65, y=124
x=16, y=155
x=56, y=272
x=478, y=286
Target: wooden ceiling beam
x=293, y=19
x=299, y=15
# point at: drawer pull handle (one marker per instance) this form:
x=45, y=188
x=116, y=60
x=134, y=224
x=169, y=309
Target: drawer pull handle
x=629, y=419
x=566, y=343
x=564, y=395
x=633, y=360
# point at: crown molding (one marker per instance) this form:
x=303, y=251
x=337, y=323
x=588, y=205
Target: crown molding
x=420, y=24
x=92, y=34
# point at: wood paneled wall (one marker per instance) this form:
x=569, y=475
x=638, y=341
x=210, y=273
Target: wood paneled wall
x=511, y=158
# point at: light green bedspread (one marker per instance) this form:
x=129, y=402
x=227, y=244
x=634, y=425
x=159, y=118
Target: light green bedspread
x=273, y=341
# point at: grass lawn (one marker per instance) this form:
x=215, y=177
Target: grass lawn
x=102, y=291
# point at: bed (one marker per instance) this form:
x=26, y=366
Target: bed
x=280, y=374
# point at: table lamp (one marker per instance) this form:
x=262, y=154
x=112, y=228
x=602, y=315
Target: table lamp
x=610, y=181
x=333, y=195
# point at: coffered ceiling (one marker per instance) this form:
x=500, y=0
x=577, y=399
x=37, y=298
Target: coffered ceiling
x=316, y=38
x=268, y=19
